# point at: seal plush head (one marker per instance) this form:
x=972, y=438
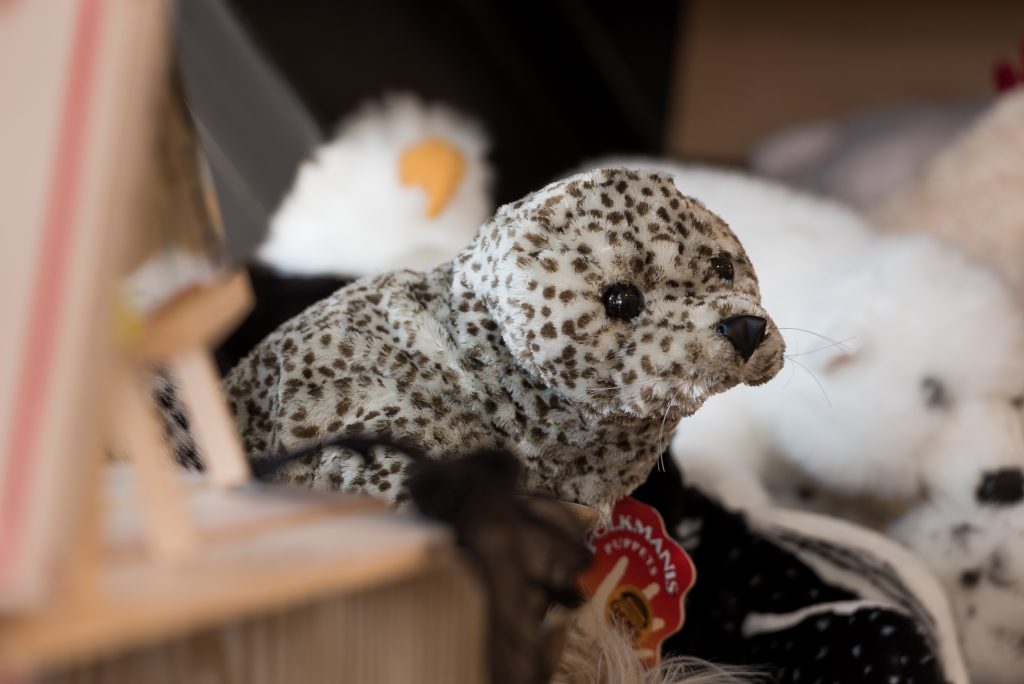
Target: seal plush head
x=621, y=295
x=577, y=328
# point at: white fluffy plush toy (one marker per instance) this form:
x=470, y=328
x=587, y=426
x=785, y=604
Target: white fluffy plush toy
x=403, y=184
x=971, y=534
x=902, y=393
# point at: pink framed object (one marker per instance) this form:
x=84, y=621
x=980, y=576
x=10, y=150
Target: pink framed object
x=76, y=81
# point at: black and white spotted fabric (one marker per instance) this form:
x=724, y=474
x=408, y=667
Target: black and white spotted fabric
x=581, y=321
x=802, y=597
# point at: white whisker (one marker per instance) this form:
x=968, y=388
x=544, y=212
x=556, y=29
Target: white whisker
x=638, y=383
x=824, y=337
x=827, y=346
x=813, y=377
x=661, y=431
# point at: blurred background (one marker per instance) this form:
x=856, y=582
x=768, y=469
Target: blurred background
x=552, y=82
x=558, y=83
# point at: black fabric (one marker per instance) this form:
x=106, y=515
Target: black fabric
x=870, y=645
x=809, y=631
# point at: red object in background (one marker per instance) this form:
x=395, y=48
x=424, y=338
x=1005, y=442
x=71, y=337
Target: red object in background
x=640, y=575
x=1004, y=76
x=1004, y=73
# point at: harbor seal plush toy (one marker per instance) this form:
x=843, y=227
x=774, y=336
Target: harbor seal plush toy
x=582, y=323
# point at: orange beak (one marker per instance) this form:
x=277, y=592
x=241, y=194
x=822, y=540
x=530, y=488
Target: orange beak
x=436, y=166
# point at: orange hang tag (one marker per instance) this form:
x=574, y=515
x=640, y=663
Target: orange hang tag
x=639, y=576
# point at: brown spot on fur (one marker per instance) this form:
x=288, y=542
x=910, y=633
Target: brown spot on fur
x=305, y=431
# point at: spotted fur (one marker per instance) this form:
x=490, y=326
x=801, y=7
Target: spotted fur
x=510, y=346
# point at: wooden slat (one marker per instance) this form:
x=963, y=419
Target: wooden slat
x=210, y=420
x=427, y=628
x=138, y=433
x=262, y=550
x=197, y=318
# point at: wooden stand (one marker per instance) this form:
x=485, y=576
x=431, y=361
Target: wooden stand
x=312, y=588
x=196, y=575
x=177, y=577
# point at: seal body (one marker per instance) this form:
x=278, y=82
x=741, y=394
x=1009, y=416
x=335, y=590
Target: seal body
x=523, y=343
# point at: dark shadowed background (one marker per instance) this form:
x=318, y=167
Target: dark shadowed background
x=554, y=82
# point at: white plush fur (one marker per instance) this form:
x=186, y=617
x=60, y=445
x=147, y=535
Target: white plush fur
x=978, y=555
x=349, y=215
x=976, y=550
x=603, y=655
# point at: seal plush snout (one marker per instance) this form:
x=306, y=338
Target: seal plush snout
x=745, y=333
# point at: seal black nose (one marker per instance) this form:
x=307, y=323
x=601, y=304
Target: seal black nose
x=744, y=333
x=1001, y=487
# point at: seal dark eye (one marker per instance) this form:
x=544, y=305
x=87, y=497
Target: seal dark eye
x=723, y=266
x=935, y=395
x=623, y=301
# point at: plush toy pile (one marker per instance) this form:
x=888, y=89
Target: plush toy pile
x=970, y=194
x=584, y=321
x=901, y=406
x=580, y=324
x=575, y=330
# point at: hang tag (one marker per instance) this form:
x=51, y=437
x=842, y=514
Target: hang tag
x=639, y=576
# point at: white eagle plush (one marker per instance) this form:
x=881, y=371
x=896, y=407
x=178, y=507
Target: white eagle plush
x=403, y=184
